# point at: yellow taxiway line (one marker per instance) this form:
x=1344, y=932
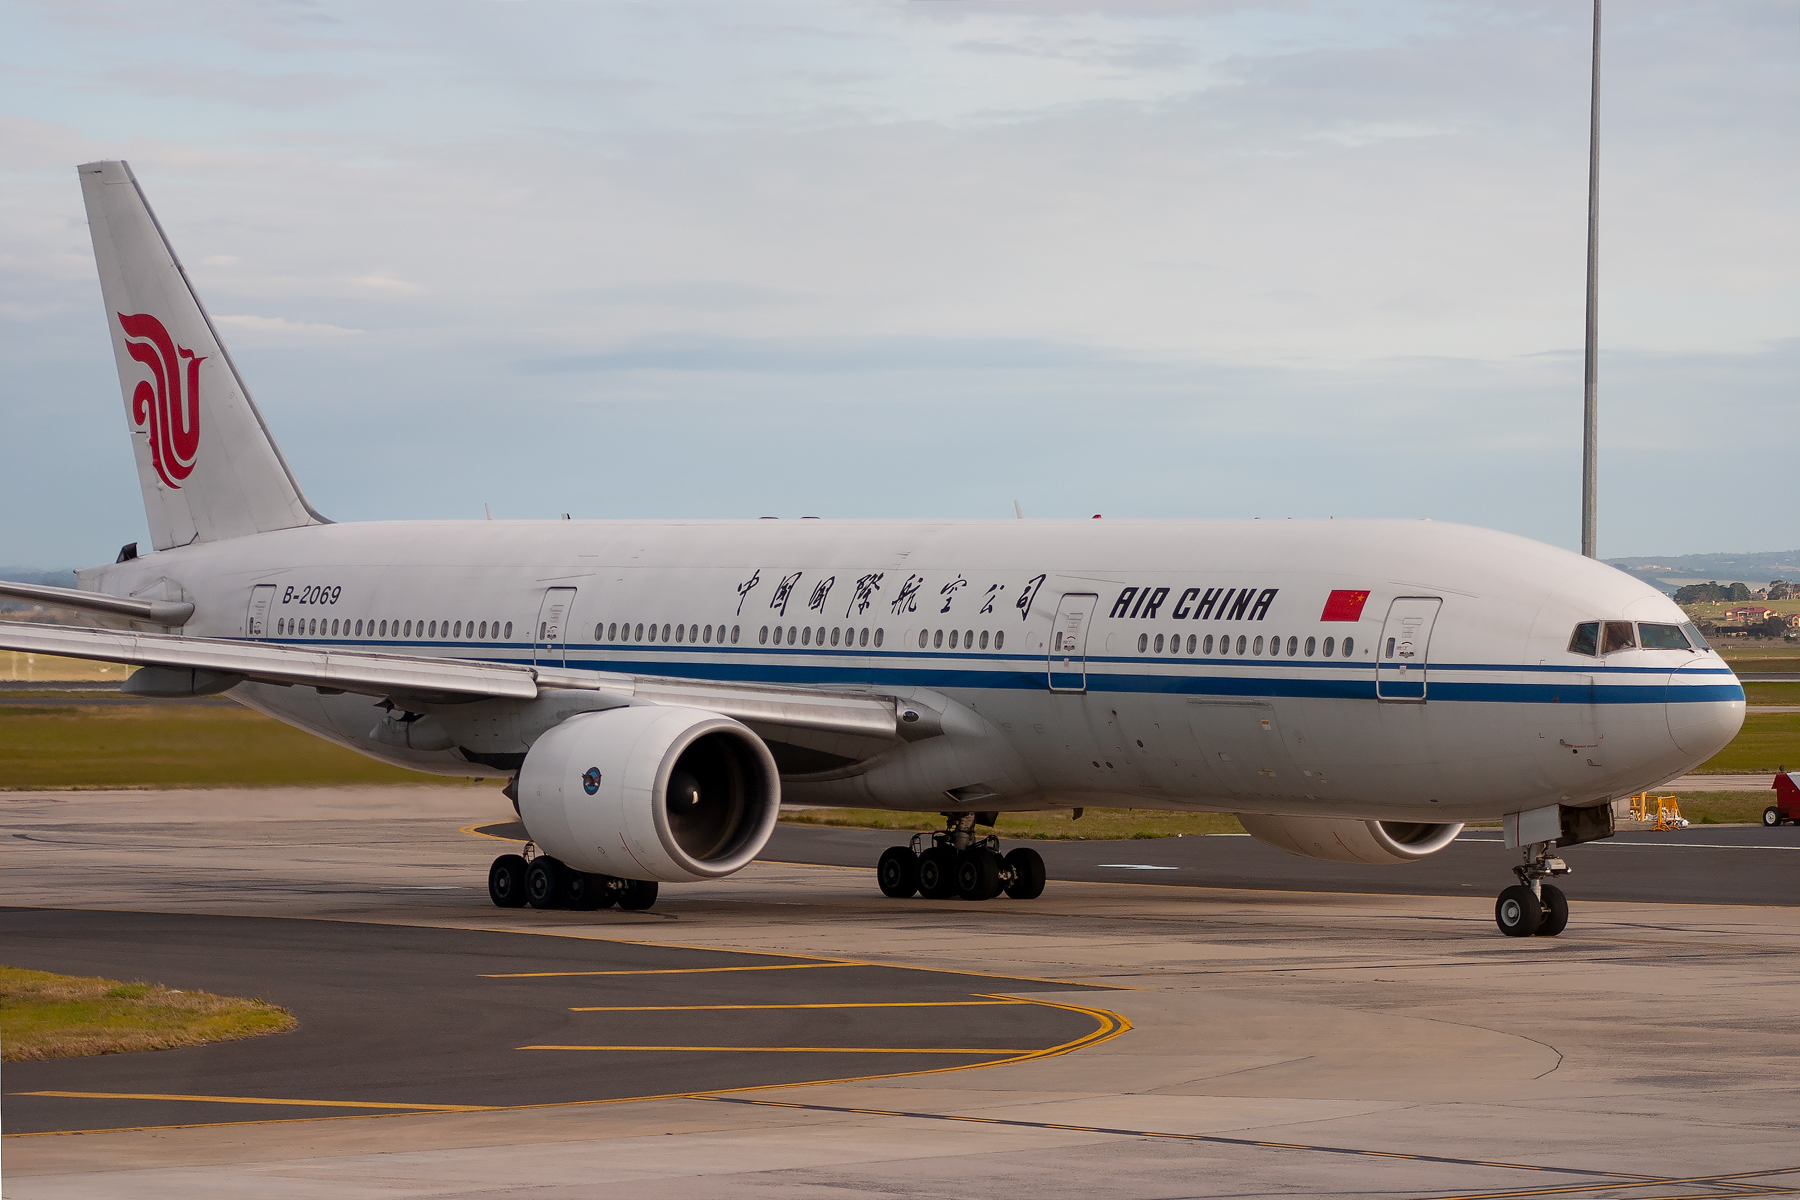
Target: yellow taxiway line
x=431, y=1108
x=759, y=1007
x=673, y=971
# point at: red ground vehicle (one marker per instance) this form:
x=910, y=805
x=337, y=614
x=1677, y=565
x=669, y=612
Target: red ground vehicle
x=1787, y=801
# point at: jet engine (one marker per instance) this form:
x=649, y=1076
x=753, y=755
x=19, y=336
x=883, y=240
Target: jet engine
x=1376, y=843
x=650, y=792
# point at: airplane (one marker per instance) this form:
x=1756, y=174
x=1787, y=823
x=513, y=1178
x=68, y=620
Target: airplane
x=652, y=691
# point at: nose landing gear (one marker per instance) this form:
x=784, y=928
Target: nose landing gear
x=957, y=863
x=1532, y=907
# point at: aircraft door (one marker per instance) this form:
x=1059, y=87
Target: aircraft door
x=552, y=627
x=1067, y=664
x=1401, y=656
x=256, y=621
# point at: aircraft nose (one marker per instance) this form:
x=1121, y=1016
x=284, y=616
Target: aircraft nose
x=1705, y=708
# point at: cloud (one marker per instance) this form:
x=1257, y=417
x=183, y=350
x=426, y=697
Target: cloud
x=282, y=328
x=302, y=90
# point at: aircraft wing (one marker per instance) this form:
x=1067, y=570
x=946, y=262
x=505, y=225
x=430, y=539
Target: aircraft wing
x=447, y=679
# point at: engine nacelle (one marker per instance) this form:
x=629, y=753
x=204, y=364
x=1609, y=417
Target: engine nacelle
x=650, y=792
x=1375, y=843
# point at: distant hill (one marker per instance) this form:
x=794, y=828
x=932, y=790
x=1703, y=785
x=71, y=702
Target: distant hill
x=1751, y=569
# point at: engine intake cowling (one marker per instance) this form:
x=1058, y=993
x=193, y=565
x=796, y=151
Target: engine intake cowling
x=1375, y=843
x=650, y=792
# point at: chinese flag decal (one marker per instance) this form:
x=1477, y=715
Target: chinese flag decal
x=1344, y=606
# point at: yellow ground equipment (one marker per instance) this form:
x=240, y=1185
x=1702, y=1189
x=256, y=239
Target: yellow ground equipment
x=1664, y=810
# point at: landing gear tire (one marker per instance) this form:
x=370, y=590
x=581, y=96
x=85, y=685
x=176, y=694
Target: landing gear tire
x=898, y=872
x=637, y=895
x=1771, y=816
x=1556, y=910
x=544, y=883
x=1027, y=867
x=587, y=893
x=506, y=881
x=978, y=874
x=937, y=873
x=1518, y=912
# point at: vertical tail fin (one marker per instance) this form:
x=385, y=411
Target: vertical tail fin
x=206, y=461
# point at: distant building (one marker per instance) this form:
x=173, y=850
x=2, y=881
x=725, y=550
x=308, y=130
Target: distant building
x=1749, y=615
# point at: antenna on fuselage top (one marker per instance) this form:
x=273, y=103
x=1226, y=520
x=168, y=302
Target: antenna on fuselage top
x=1017, y=511
x=1590, y=430
x=489, y=511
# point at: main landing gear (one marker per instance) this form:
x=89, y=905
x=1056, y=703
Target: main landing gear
x=545, y=882
x=1532, y=907
x=957, y=863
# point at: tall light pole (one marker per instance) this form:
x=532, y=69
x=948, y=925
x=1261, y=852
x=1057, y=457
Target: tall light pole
x=1590, y=434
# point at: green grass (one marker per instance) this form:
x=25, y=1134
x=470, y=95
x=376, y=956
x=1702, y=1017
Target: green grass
x=1772, y=693
x=1767, y=741
x=1721, y=808
x=67, y=1016
x=1760, y=659
x=1096, y=824
x=172, y=745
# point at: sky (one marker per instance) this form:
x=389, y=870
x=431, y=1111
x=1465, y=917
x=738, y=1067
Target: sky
x=897, y=258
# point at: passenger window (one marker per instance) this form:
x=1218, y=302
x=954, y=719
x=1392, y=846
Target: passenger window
x=1193, y=642
x=1329, y=645
x=937, y=641
x=1662, y=637
x=862, y=639
x=1143, y=642
x=1206, y=646
x=835, y=633
x=984, y=639
x=1256, y=646
x=806, y=636
x=612, y=632
x=1617, y=636
x=1311, y=645
x=1159, y=643
x=1240, y=645
x=652, y=636
x=1349, y=645
x=878, y=634
x=1293, y=646
x=681, y=633
x=1275, y=646
x=693, y=633
x=734, y=634
x=638, y=634
x=999, y=640
x=665, y=633
x=763, y=637
x=1585, y=639
x=706, y=635
x=509, y=631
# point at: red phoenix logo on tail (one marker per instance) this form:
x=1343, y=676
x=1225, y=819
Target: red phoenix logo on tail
x=169, y=410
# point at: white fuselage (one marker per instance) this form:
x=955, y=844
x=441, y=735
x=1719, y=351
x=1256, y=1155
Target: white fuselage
x=1099, y=673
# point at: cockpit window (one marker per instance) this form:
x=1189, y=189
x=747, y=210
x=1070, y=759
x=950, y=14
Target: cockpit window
x=1694, y=637
x=1586, y=639
x=1662, y=637
x=1617, y=637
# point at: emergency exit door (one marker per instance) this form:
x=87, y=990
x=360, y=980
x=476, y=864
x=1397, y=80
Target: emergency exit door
x=552, y=627
x=256, y=621
x=1404, y=650
x=1068, y=642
